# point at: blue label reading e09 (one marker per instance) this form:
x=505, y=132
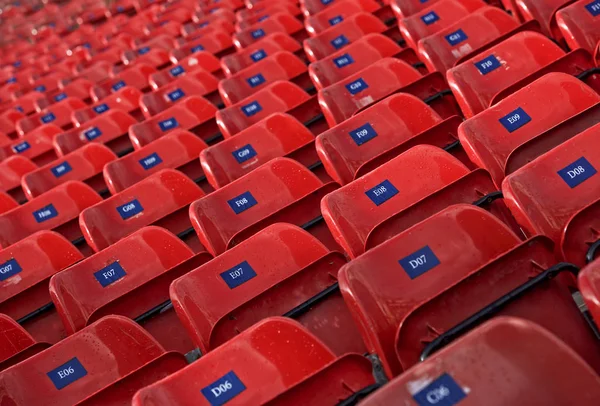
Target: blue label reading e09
x=223, y=389
x=238, y=275
x=382, y=192
x=577, y=172
x=419, y=262
x=67, y=373
x=444, y=391
x=130, y=209
x=515, y=120
x=110, y=274
x=242, y=202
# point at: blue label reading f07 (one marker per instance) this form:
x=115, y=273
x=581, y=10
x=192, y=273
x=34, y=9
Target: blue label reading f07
x=223, y=389
x=110, y=274
x=419, y=262
x=577, y=172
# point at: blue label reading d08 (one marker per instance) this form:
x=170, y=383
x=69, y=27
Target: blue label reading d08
x=515, y=120
x=60, y=96
x=130, y=209
x=176, y=71
x=21, y=147
x=45, y=213
x=444, y=391
x=92, y=133
x=382, y=192
x=67, y=373
x=357, y=86
x=456, y=37
x=256, y=80
x=251, y=109
x=101, y=108
x=419, y=262
x=258, y=55
x=258, y=33
x=118, y=85
x=110, y=274
x=48, y=118
x=61, y=169
x=577, y=172
x=363, y=134
x=238, y=275
x=243, y=154
x=336, y=20
x=150, y=161
x=168, y=124
x=594, y=8
x=339, y=42
x=223, y=389
x=242, y=202
x=430, y=18
x=343, y=60
x=175, y=95
x=487, y=65
x=9, y=268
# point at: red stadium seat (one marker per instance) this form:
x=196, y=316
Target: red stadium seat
x=27, y=267
x=26, y=104
x=543, y=11
x=201, y=63
x=109, y=128
x=423, y=263
x=278, y=22
x=261, y=9
x=217, y=42
x=281, y=190
x=16, y=344
x=437, y=16
x=228, y=308
x=84, y=164
x=497, y=138
x=312, y=7
x=270, y=44
x=11, y=171
x=336, y=13
x=35, y=145
x=403, y=8
x=502, y=362
x=279, y=135
x=58, y=114
x=135, y=76
x=194, y=114
x=578, y=25
x=74, y=368
x=589, y=286
x=7, y=202
x=56, y=210
x=9, y=119
x=78, y=88
x=125, y=99
x=161, y=199
x=262, y=362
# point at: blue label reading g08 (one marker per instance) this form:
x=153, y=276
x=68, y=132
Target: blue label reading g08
x=444, y=391
x=577, y=172
x=110, y=274
x=515, y=120
x=130, y=209
x=419, y=262
x=242, y=202
x=382, y=192
x=67, y=373
x=343, y=60
x=238, y=275
x=9, y=268
x=223, y=389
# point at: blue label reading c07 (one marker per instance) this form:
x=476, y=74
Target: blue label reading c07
x=456, y=37
x=9, y=268
x=110, y=274
x=45, y=213
x=256, y=80
x=515, y=120
x=150, y=161
x=419, y=262
x=242, y=202
x=243, y=154
x=130, y=209
x=430, y=18
x=382, y=192
x=577, y=172
x=343, y=60
x=67, y=373
x=223, y=389
x=363, y=134
x=61, y=169
x=238, y=275
x=444, y=391
x=251, y=109
x=357, y=86
x=487, y=65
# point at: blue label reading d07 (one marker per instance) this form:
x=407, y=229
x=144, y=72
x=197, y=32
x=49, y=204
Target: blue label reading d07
x=110, y=274
x=48, y=118
x=61, y=169
x=515, y=120
x=357, y=86
x=456, y=37
x=243, y=154
x=363, y=134
x=444, y=391
x=242, y=202
x=258, y=55
x=168, y=124
x=343, y=60
x=45, y=213
x=251, y=109
x=487, y=65
x=130, y=209
x=223, y=389
x=382, y=192
x=339, y=42
x=256, y=80
x=92, y=133
x=430, y=18
x=419, y=262
x=150, y=161
x=577, y=172
x=9, y=268
x=67, y=373
x=238, y=275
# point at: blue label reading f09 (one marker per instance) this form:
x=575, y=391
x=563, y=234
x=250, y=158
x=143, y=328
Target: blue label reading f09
x=363, y=134
x=223, y=389
x=242, y=202
x=130, y=209
x=487, y=65
x=515, y=120
x=456, y=37
x=67, y=373
x=444, y=391
x=419, y=262
x=577, y=172
x=430, y=18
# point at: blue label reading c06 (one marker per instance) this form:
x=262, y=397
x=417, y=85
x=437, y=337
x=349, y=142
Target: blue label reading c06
x=444, y=391
x=251, y=109
x=419, y=262
x=150, y=161
x=430, y=18
x=45, y=213
x=101, y=108
x=238, y=275
x=258, y=55
x=168, y=124
x=175, y=95
x=61, y=169
x=515, y=120
x=343, y=60
x=9, y=268
x=487, y=65
x=256, y=80
x=242, y=202
x=363, y=134
x=243, y=154
x=223, y=389
x=456, y=37
x=67, y=373
x=577, y=172
x=110, y=274
x=130, y=209
x=382, y=192
x=339, y=42
x=357, y=86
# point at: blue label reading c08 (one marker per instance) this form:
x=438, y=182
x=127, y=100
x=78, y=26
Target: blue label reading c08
x=419, y=262
x=577, y=172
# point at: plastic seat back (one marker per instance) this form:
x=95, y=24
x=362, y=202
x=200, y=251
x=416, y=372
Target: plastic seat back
x=16, y=344
x=588, y=282
x=424, y=260
x=198, y=61
x=218, y=42
x=58, y=114
x=278, y=22
x=126, y=99
x=579, y=26
x=404, y=9
x=335, y=14
x=35, y=145
x=543, y=11
x=9, y=119
x=11, y=171
x=135, y=76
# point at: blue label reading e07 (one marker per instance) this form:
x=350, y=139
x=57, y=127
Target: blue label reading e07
x=168, y=124
x=343, y=60
x=577, y=172
x=430, y=18
x=339, y=42
x=9, y=268
x=101, y=108
x=48, y=118
x=419, y=262
x=150, y=161
x=444, y=391
x=258, y=55
x=110, y=274
x=61, y=169
x=382, y=192
x=256, y=80
x=363, y=134
x=45, y=213
x=242, y=202
x=223, y=389
x=487, y=65
x=251, y=109
x=67, y=373
x=130, y=209
x=594, y=8
x=238, y=275
x=456, y=37
x=258, y=33
x=243, y=154
x=357, y=86
x=515, y=120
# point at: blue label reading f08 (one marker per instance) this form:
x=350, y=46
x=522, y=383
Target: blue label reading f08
x=251, y=109
x=67, y=373
x=45, y=213
x=61, y=169
x=110, y=274
x=239, y=274
x=243, y=154
x=343, y=60
x=515, y=120
x=223, y=389
x=9, y=268
x=430, y=18
x=577, y=172
x=456, y=37
x=487, y=65
x=444, y=391
x=258, y=55
x=242, y=202
x=130, y=209
x=419, y=262
x=168, y=124
x=382, y=192
x=256, y=80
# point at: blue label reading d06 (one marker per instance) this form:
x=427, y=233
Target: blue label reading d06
x=487, y=65
x=168, y=124
x=242, y=202
x=130, y=209
x=67, y=373
x=9, y=268
x=258, y=33
x=357, y=86
x=419, y=262
x=48, y=118
x=45, y=213
x=343, y=60
x=456, y=37
x=175, y=95
x=243, y=154
x=363, y=134
x=223, y=389
x=150, y=161
x=251, y=109
x=92, y=133
x=61, y=169
x=258, y=55
x=238, y=275
x=515, y=120
x=101, y=108
x=21, y=147
x=110, y=274
x=382, y=192
x=256, y=80
x=430, y=18
x=118, y=85
x=577, y=172
x=444, y=391
x=339, y=42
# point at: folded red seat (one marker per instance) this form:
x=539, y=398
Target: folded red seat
x=96, y=72
x=74, y=369
x=281, y=190
x=528, y=123
x=58, y=114
x=27, y=267
x=135, y=76
x=12, y=170
x=36, y=145
x=109, y=128
x=200, y=61
x=193, y=113
x=312, y=7
x=84, y=164
x=509, y=353
x=16, y=344
x=578, y=25
x=260, y=363
x=423, y=264
x=222, y=20
x=156, y=57
x=125, y=99
x=277, y=22
x=177, y=150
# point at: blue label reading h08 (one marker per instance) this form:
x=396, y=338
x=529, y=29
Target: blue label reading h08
x=9, y=268
x=363, y=134
x=243, y=154
x=515, y=120
x=456, y=37
x=130, y=209
x=45, y=213
x=343, y=60
x=419, y=262
x=577, y=172
x=242, y=202
x=487, y=65
x=150, y=161
x=238, y=275
x=382, y=193
x=67, y=373
x=339, y=42
x=223, y=389
x=61, y=169
x=251, y=109
x=110, y=274
x=430, y=18
x=168, y=124
x=256, y=80
x=444, y=391
x=357, y=86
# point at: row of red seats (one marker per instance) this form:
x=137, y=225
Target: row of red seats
x=153, y=155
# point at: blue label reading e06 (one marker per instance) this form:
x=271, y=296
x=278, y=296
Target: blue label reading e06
x=444, y=391
x=223, y=389
x=130, y=209
x=419, y=262
x=242, y=202
x=577, y=172
x=110, y=274
x=67, y=373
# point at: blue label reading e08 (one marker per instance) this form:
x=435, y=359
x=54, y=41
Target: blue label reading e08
x=251, y=109
x=419, y=262
x=45, y=213
x=150, y=161
x=238, y=275
x=60, y=170
x=168, y=124
x=67, y=373
x=456, y=37
x=110, y=274
x=223, y=389
x=130, y=209
x=242, y=202
x=430, y=18
x=577, y=172
x=256, y=80
x=487, y=65
x=382, y=192
x=343, y=60
x=444, y=391
x=243, y=154
x=9, y=268
x=363, y=134
x=357, y=86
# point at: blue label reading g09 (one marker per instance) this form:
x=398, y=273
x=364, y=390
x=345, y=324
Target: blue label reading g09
x=456, y=37
x=382, y=192
x=67, y=373
x=242, y=202
x=238, y=275
x=223, y=389
x=444, y=391
x=419, y=262
x=577, y=172
x=130, y=209
x=150, y=161
x=110, y=274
